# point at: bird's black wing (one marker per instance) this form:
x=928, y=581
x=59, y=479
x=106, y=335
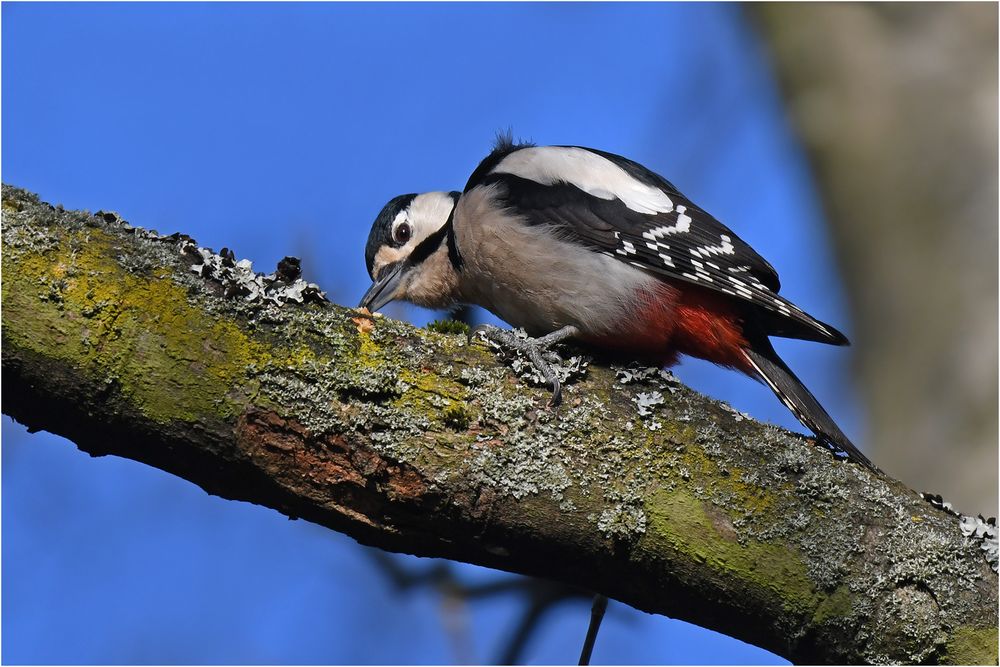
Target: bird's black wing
x=647, y=223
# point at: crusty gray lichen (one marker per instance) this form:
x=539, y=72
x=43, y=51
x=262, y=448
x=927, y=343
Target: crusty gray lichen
x=624, y=517
x=236, y=277
x=983, y=531
x=977, y=529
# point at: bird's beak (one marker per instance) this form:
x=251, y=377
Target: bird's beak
x=383, y=290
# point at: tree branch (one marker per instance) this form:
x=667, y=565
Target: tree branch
x=417, y=442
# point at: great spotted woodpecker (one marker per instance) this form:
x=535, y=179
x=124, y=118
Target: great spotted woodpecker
x=572, y=242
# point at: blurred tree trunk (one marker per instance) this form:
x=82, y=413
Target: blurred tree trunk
x=897, y=107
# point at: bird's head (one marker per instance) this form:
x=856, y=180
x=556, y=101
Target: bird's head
x=409, y=256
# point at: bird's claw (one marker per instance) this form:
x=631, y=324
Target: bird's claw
x=556, y=399
x=535, y=349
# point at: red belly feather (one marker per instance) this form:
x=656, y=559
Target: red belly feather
x=680, y=319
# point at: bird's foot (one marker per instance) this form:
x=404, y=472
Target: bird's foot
x=543, y=365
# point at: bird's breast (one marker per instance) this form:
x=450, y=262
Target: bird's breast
x=531, y=278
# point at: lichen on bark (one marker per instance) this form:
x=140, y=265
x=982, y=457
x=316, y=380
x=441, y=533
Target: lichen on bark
x=418, y=441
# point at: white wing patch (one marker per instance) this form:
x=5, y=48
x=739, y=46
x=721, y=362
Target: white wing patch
x=588, y=171
x=725, y=247
x=682, y=226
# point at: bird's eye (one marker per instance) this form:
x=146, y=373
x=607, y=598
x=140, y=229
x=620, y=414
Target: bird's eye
x=401, y=234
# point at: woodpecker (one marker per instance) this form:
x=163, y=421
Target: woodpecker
x=573, y=242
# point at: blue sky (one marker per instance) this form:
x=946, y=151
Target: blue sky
x=283, y=129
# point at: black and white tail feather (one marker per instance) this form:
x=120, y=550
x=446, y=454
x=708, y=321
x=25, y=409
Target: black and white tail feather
x=776, y=374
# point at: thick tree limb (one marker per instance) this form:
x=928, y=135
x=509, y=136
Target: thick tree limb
x=415, y=441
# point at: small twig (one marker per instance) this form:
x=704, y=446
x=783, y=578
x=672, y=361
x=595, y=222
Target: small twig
x=596, y=616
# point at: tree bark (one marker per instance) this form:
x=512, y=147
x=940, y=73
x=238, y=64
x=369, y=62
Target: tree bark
x=418, y=442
